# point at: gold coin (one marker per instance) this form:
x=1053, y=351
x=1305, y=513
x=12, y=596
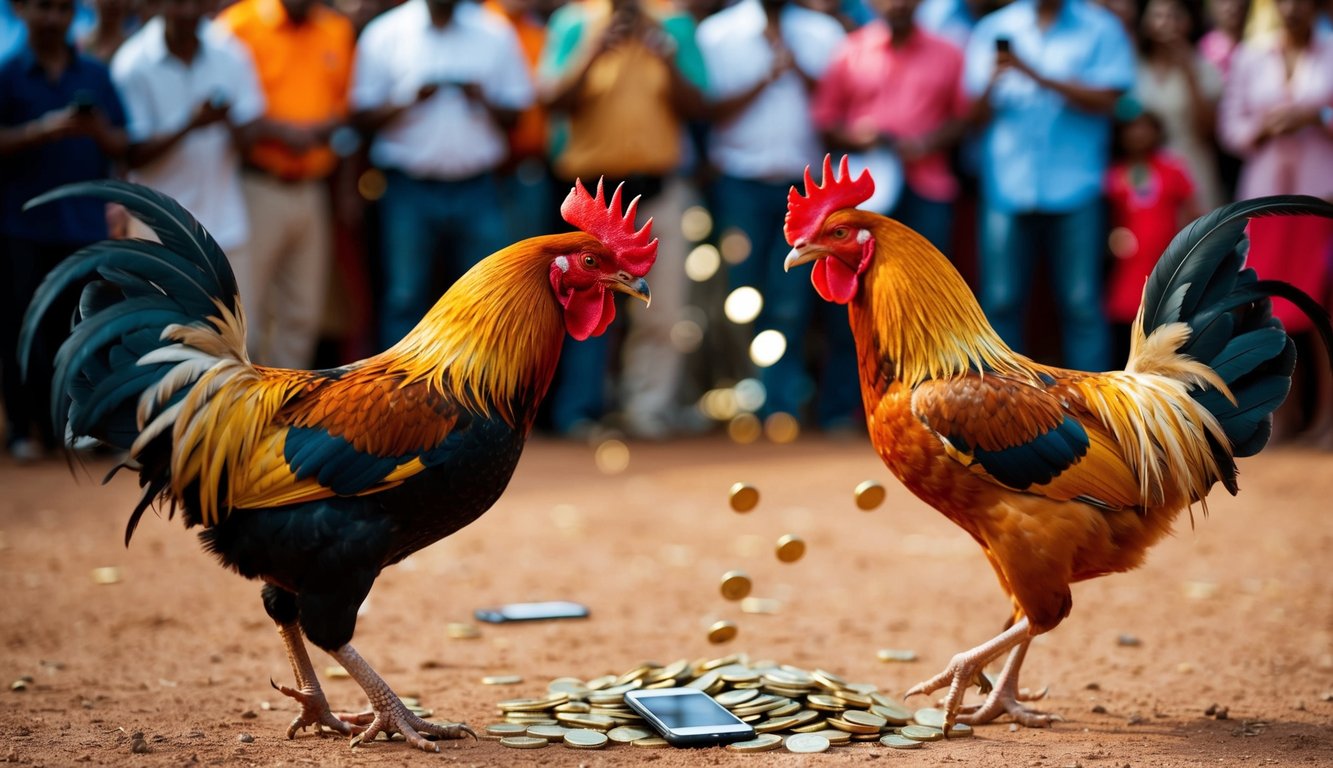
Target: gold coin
x=807, y=743
x=828, y=680
x=895, y=715
x=744, y=497
x=506, y=729
x=895, y=741
x=501, y=680
x=960, y=731
x=583, y=738
x=107, y=575
x=826, y=703
x=854, y=699
x=731, y=699
x=850, y=727
x=814, y=726
x=835, y=736
x=548, y=732
x=722, y=632
x=628, y=733
x=790, y=548
x=922, y=733
x=896, y=654
x=869, y=495
x=761, y=743
x=930, y=716
x=790, y=708
x=651, y=743
x=868, y=719
x=574, y=706
x=522, y=742
x=735, y=585
x=772, y=725
x=335, y=670
x=591, y=721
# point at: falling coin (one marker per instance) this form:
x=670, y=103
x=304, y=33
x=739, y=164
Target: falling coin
x=721, y=632
x=735, y=585
x=869, y=495
x=744, y=497
x=896, y=654
x=107, y=575
x=790, y=548
x=807, y=743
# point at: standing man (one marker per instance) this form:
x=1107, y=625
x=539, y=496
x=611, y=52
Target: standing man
x=61, y=121
x=193, y=102
x=764, y=58
x=438, y=82
x=302, y=52
x=899, y=87
x=1046, y=75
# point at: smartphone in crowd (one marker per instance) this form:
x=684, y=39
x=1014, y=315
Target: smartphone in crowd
x=1002, y=45
x=551, y=609
x=688, y=717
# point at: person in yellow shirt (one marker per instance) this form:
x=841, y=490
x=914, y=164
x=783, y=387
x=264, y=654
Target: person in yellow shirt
x=302, y=51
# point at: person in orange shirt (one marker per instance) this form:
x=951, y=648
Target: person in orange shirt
x=303, y=53
x=525, y=177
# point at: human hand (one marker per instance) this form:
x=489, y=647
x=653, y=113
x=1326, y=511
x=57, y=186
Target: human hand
x=426, y=91
x=1288, y=118
x=210, y=111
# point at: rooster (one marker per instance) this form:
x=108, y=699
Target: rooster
x=314, y=481
x=1059, y=475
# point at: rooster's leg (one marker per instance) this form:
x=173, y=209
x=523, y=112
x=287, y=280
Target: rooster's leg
x=391, y=715
x=314, y=707
x=1005, y=698
x=963, y=669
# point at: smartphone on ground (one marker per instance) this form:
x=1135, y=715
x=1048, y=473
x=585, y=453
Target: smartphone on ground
x=688, y=717
x=551, y=609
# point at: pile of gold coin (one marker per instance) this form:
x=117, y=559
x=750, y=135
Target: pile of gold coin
x=789, y=707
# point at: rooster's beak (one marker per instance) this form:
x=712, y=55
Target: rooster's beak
x=802, y=254
x=638, y=289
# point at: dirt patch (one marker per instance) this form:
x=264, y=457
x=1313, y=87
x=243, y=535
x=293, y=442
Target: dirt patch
x=1236, y=613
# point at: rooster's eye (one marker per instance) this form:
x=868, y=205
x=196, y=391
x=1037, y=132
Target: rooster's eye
x=840, y=233
x=589, y=262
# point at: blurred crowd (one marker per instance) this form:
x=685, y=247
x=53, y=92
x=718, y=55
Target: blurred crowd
x=354, y=158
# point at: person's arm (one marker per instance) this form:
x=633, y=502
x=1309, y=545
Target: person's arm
x=142, y=153
x=674, y=40
x=1087, y=98
x=52, y=126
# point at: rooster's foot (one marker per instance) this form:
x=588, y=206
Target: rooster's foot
x=965, y=668
x=315, y=712
x=999, y=703
x=395, y=718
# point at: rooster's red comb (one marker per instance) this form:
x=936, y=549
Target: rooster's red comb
x=635, y=250
x=806, y=213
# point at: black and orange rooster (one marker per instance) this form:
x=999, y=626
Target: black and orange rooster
x=314, y=481
x=1059, y=475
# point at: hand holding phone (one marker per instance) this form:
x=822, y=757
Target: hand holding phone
x=688, y=717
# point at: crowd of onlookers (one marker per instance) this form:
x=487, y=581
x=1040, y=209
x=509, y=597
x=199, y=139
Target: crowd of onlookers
x=354, y=158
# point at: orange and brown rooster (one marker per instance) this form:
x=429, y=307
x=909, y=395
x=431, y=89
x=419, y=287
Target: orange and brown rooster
x=314, y=481
x=1059, y=475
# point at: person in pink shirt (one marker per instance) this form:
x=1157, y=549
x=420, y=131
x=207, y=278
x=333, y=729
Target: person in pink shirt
x=893, y=85
x=1277, y=114
x=1218, y=44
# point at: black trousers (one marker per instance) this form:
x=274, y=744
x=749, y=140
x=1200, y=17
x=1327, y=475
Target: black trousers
x=23, y=265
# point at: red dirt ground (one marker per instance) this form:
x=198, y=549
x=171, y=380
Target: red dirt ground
x=1238, y=612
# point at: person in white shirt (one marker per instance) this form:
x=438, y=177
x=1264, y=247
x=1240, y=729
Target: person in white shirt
x=763, y=59
x=437, y=82
x=192, y=99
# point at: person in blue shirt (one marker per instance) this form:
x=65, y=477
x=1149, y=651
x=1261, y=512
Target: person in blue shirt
x=61, y=121
x=1046, y=75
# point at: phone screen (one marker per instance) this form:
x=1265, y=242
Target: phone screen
x=1002, y=45
x=553, y=609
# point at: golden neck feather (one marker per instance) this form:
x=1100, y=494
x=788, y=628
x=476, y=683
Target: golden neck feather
x=919, y=312
x=494, y=338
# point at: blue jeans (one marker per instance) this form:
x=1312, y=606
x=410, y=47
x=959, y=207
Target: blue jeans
x=433, y=232
x=1074, y=243
x=758, y=208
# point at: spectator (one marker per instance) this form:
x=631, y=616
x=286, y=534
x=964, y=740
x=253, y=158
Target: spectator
x=1151, y=197
x=764, y=58
x=61, y=121
x=1179, y=86
x=627, y=79
x=1228, y=28
x=116, y=21
x=287, y=168
x=1277, y=114
x=192, y=97
x=14, y=33
x=525, y=177
x=1046, y=75
x=898, y=87
x=437, y=82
